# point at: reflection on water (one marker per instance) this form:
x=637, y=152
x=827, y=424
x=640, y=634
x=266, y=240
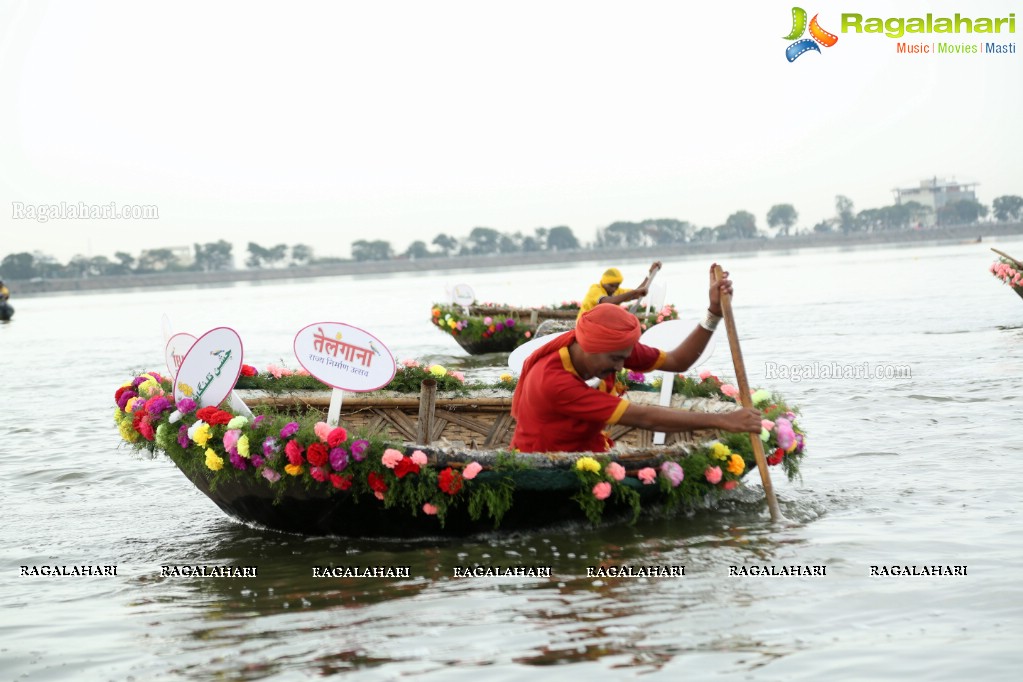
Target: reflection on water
x=915, y=470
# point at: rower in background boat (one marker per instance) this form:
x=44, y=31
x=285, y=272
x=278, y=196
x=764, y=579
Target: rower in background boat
x=6, y=310
x=608, y=290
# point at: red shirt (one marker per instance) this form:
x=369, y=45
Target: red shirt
x=558, y=412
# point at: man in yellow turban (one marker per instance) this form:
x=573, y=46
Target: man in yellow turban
x=608, y=290
x=556, y=411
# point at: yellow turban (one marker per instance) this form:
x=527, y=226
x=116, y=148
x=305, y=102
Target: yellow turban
x=611, y=276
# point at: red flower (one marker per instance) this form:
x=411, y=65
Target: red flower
x=406, y=466
x=776, y=457
x=336, y=437
x=377, y=483
x=450, y=481
x=249, y=371
x=728, y=485
x=213, y=416
x=294, y=452
x=118, y=392
x=316, y=454
x=145, y=427
x=318, y=473
x=341, y=482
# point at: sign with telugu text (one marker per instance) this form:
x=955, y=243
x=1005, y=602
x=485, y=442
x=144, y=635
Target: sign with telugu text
x=174, y=352
x=210, y=368
x=344, y=357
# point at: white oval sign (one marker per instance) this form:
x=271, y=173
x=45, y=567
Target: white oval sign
x=211, y=367
x=463, y=295
x=174, y=353
x=344, y=356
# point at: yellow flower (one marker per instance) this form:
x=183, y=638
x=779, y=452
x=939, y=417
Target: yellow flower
x=213, y=461
x=587, y=464
x=201, y=435
x=243, y=446
x=736, y=465
x=507, y=376
x=149, y=388
x=127, y=433
x=185, y=389
x=720, y=451
x=437, y=370
x=452, y=324
x=760, y=396
x=293, y=469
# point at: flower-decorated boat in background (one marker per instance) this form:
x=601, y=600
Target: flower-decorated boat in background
x=284, y=468
x=494, y=328
x=1009, y=271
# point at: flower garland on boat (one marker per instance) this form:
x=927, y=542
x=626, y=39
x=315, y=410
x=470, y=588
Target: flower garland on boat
x=219, y=445
x=481, y=324
x=1008, y=271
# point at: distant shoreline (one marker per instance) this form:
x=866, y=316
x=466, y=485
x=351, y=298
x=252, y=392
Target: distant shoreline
x=739, y=246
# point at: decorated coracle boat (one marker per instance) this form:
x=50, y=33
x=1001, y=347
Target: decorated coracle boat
x=492, y=328
x=1009, y=271
x=285, y=469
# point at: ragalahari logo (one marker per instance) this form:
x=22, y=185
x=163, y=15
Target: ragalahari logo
x=817, y=35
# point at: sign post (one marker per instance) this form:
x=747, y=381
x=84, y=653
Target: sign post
x=344, y=357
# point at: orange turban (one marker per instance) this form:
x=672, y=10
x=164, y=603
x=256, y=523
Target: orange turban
x=607, y=328
x=603, y=329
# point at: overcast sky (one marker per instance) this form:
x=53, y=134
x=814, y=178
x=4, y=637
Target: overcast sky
x=325, y=123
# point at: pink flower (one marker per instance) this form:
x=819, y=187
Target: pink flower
x=728, y=485
x=602, y=490
x=276, y=371
x=391, y=457
x=528, y=334
x=488, y=321
x=457, y=375
x=410, y=363
x=271, y=475
x=318, y=473
x=302, y=372
x=647, y=474
x=379, y=495
x=786, y=436
x=419, y=458
x=713, y=475
x=615, y=470
x=470, y=471
x=766, y=424
x=231, y=439
x=673, y=472
x=729, y=390
x=429, y=509
x=705, y=374
x=322, y=430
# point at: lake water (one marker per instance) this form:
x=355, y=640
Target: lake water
x=909, y=470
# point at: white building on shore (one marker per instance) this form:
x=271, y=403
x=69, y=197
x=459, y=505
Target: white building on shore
x=935, y=193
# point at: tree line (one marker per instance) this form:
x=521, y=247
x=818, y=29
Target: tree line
x=781, y=219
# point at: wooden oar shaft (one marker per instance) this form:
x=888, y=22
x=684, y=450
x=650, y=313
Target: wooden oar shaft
x=745, y=397
x=1005, y=255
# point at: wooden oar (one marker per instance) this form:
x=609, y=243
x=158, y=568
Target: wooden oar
x=1005, y=255
x=649, y=281
x=744, y=396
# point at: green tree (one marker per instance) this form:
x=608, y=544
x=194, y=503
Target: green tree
x=844, y=214
x=214, y=256
x=965, y=212
x=258, y=256
x=741, y=225
x=153, y=260
x=483, y=240
x=783, y=217
x=19, y=266
x=125, y=262
x=364, y=250
x=417, y=250
x=1008, y=208
x=445, y=243
x=301, y=254
x=560, y=238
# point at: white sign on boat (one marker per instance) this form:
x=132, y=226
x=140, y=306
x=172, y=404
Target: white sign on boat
x=210, y=368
